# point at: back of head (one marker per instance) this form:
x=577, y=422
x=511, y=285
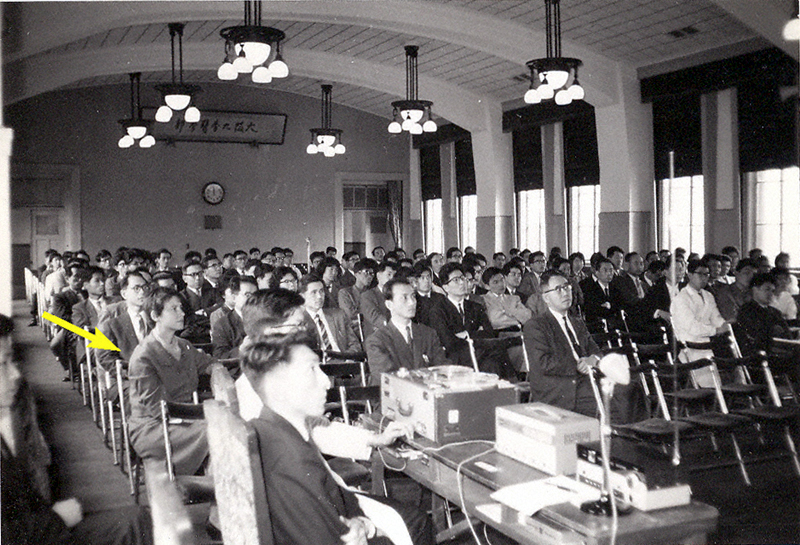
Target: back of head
x=269, y=308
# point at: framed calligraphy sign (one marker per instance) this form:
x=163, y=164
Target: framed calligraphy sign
x=223, y=127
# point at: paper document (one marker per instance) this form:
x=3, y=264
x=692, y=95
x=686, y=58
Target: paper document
x=529, y=498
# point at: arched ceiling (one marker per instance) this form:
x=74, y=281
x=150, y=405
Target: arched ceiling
x=471, y=51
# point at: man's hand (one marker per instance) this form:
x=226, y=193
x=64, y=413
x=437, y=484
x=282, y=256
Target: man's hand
x=392, y=432
x=360, y=529
x=462, y=335
x=723, y=329
x=69, y=510
x=585, y=364
x=663, y=314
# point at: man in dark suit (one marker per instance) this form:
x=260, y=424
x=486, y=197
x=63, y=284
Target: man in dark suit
x=328, y=326
x=348, y=276
x=402, y=343
x=197, y=303
x=530, y=281
x=373, y=304
x=456, y=319
x=212, y=285
x=307, y=504
x=227, y=333
x=629, y=289
x=63, y=342
x=125, y=325
x=86, y=313
x=652, y=312
x=561, y=351
x=599, y=295
x=421, y=278
x=328, y=270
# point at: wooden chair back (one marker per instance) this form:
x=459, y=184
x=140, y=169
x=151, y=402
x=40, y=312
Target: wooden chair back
x=223, y=387
x=238, y=478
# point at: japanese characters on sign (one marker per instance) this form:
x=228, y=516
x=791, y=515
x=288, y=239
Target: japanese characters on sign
x=220, y=126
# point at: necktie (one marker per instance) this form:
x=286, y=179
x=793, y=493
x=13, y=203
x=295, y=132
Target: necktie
x=323, y=333
x=141, y=330
x=605, y=291
x=639, y=288
x=461, y=311
x=573, y=341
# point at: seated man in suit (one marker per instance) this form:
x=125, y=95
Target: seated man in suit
x=599, y=295
x=349, y=298
x=212, y=276
x=125, y=324
x=328, y=271
x=628, y=286
x=421, y=277
x=348, y=276
x=307, y=503
x=512, y=272
x=373, y=304
x=757, y=321
x=402, y=343
x=198, y=304
x=457, y=319
x=731, y=297
x=63, y=342
x=529, y=285
x=328, y=326
x=86, y=314
x=561, y=351
x=227, y=333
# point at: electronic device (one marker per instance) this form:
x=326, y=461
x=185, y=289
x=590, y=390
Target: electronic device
x=445, y=404
x=653, y=468
x=543, y=436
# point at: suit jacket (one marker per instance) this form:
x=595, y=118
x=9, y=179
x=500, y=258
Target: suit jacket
x=756, y=326
x=346, y=280
x=373, y=309
x=446, y=320
x=625, y=294
x=553, y=374
x=339, y=327
x=349, y=300
x=424, y=306
x=197, y=309
x=212, y=295
x=729, y=299
x=332, y=296
x=305, y=502
x=84, y=314
x=62, y=302
x=119, y=330
x=529, y=284
x=642, y=315
x=227, y=335
x=594, y=299
x=387, y=350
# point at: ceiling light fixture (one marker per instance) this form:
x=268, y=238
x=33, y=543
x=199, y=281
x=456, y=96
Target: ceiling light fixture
x=135, y=127
x=408, y=114
x=326, y=140
x=177, y=95
x=554, y=75
x=248, y=47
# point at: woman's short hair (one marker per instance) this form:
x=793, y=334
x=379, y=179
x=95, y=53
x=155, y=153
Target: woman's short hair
x=265, y=352
x=157, y=299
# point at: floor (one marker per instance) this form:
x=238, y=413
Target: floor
x=766, y=512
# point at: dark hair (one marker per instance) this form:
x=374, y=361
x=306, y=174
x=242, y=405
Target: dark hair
x=657, y=266
x=447, y=269
x=307, y=280
x=613, y=250
x=498, y=254
x=163, y=275
x=271, y=307
x=210, y=252
x=596, y=263
x=190, y=263
x=575, y=255
x=388, y=288
x=630, y=255
x=88, y=272
x=240, y=253
x=558, y=261
x=193, y=255
x=329, y=248
x=157, y=299
x=711, y=257
x=102, y=254
x=779, y=271
x=276, y=249
x=208, y=259
x=254, y=249
x=489, y=273
x=723, y=258
x=383, y=265
x=418, y=252
x=326, y=263
x=746, y=262
x=534, y=255
x=226, y=256
x=263, y=270
x=266, y=352
x=125, y=281
x=728, y=250
x=122, y=255
x=348, y=255
x=694, y=265
x=163, y=251
x=421, y=267
x=451, y=252
x=364, y=263
x=235, y=282
x=6, y=326
x=280, y=273
x=513, y=264
x=547, y=275
x=759, y=279
x=430, y=255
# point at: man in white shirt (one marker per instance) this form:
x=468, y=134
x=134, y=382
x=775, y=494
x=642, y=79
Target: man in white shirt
x=695, y=317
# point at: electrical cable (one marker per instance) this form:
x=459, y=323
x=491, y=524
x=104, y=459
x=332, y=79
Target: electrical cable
x=461, y=487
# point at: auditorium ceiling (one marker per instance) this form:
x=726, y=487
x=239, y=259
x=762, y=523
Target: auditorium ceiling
x=471, y=51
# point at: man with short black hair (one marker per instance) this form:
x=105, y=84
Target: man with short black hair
x=197, y=304
x=378, y=253
x=616, y=255
x=329, y=326
x=731, y=297
x=126, y=325
x=255, y=253
x=314, y=259
x=227, y=330
x=695, y=317
x=63, y=343
x=418, y=255
x=350, y=297
x=757, y=323
x=402, y=343
x=422, y=276
x=87, y=312
x=372, y=303
x=347, y=278
x=212, y=275
x=499, y=260
x=629, y=289
x=599, y=294
x=453, y=255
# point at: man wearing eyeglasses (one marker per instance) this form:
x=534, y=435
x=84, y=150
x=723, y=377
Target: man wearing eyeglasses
x=530, y=284
x=197, y=305
x=126, y=324
x=561, y=351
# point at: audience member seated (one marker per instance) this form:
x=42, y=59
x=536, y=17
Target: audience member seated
x=86, y=313
x=529, y=286
x=372, y=304
x=561, y=351
x=599, y=294
x=402, y=343
x=348, y=277
x=695, y=317
x=63, y=342
x=212, y=276
x=731, y=297
x=350, y=297
x=616, y=256
x=28, y=517
x=422, y=279
x=456, y=319
x=227, y=331
x=306, y=502
x=503, y=309
x=285, y=278
x=125, y=323
x=167, y=367
x=328, y=271
x=757, y=322
x=198, y=304
x=628, y=286
x=652, y=312
x=329, y=327
x=56, y=279
x=784, y=301
x=512, y=272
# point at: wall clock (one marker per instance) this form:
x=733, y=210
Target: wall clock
x=213, y=192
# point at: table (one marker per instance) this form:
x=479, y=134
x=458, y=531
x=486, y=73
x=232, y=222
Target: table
x=559, y=524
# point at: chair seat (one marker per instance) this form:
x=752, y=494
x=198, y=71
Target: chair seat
x=773, y=414
x=195, y=488
x=656, y=428
x=351, y=472
x=693, y=395
x=744, y=389
x=717, y=420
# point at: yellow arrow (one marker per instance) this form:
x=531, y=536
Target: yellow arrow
x=98, y=339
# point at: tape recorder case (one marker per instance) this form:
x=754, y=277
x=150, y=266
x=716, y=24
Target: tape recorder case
x=445, y=404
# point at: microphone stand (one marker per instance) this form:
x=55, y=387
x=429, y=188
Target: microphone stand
x=606, y=505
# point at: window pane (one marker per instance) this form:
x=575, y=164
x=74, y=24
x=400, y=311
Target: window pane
x=777, y=206
x=584, y=204
x=468, y=219
x=434, y=240
x=531, y=219
x=682, y=214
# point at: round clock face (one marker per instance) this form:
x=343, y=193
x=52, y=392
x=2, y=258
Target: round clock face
x=213, y=193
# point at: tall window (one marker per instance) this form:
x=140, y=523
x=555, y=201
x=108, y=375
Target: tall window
x=584, y=207
x=432, y=216
x=530, y=213
x=468, y=220
x=682, y=217
x=777, y=209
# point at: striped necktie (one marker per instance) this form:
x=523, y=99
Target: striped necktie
x=323, y=333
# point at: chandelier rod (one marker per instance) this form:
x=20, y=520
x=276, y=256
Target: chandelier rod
x=132, y=76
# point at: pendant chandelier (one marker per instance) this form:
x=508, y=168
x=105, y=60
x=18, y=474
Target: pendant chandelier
x=408, y=114
x=326, y=140
x=135, y=127
x=554, y=76
x=248, y=47
x=177, y=95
